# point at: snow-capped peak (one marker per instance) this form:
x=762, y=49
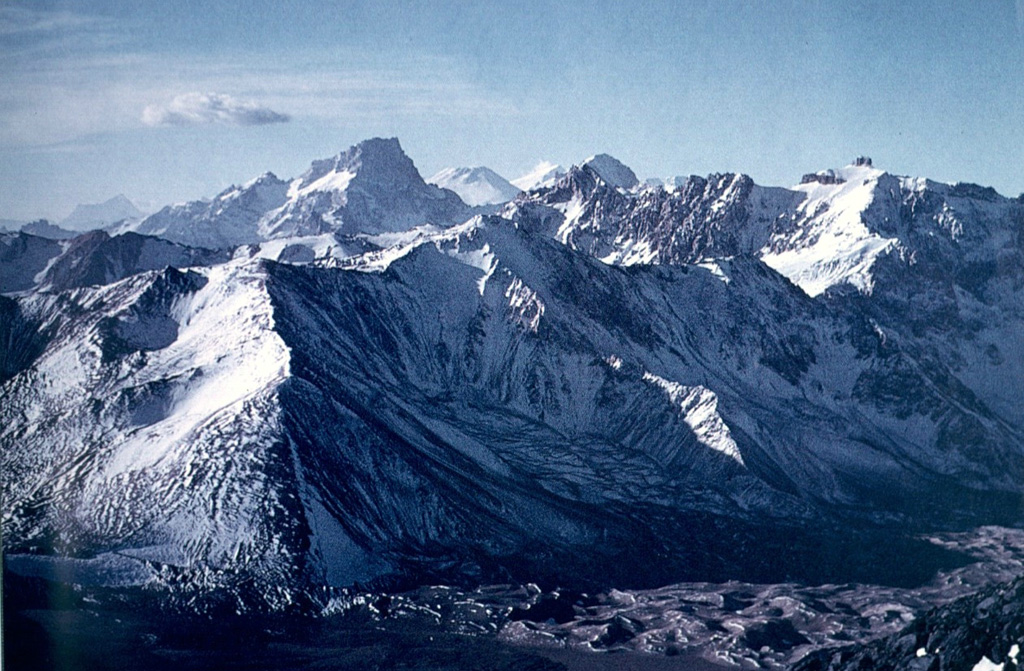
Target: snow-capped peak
x=371, y=187
x=267, y=187
x=860, y=170
x=377, y=159
x=612, y=171
x=476, y=186
x=266, y=178
x=544, y=174
x=835, y=242
x=98, y=215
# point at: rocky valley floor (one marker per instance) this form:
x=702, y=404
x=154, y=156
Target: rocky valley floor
x=684, y=626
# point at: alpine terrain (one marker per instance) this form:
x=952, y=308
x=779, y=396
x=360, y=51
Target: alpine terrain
x=356, y=382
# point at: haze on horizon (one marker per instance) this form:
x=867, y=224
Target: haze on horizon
x=177, y=101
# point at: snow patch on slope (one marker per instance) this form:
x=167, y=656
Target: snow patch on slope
x=527, y=308
x=698, y=406
x=629, y=252
x=335, y=180
x=226, y=341
x=832, y=244
x=482, y=258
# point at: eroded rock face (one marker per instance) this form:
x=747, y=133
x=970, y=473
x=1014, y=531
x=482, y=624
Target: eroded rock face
x=96, y=258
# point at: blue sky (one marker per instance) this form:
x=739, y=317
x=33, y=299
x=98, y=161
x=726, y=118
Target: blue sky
x=166, y=102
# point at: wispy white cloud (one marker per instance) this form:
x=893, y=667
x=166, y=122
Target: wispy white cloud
x=60, y=98
x=20, y=20
x=194, y=109
x=32, y=37
x=71, y=76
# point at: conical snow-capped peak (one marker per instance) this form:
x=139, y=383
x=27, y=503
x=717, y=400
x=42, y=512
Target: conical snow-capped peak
x=544, y=174
x=612, y=171
x=476, y=186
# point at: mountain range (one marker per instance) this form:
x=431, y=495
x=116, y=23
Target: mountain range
x=358, y=377
x=371, y=188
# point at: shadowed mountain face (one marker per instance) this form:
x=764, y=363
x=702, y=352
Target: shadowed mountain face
x=22, y=258
x=608, y=385
x=96, y=258
x=90, y=259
